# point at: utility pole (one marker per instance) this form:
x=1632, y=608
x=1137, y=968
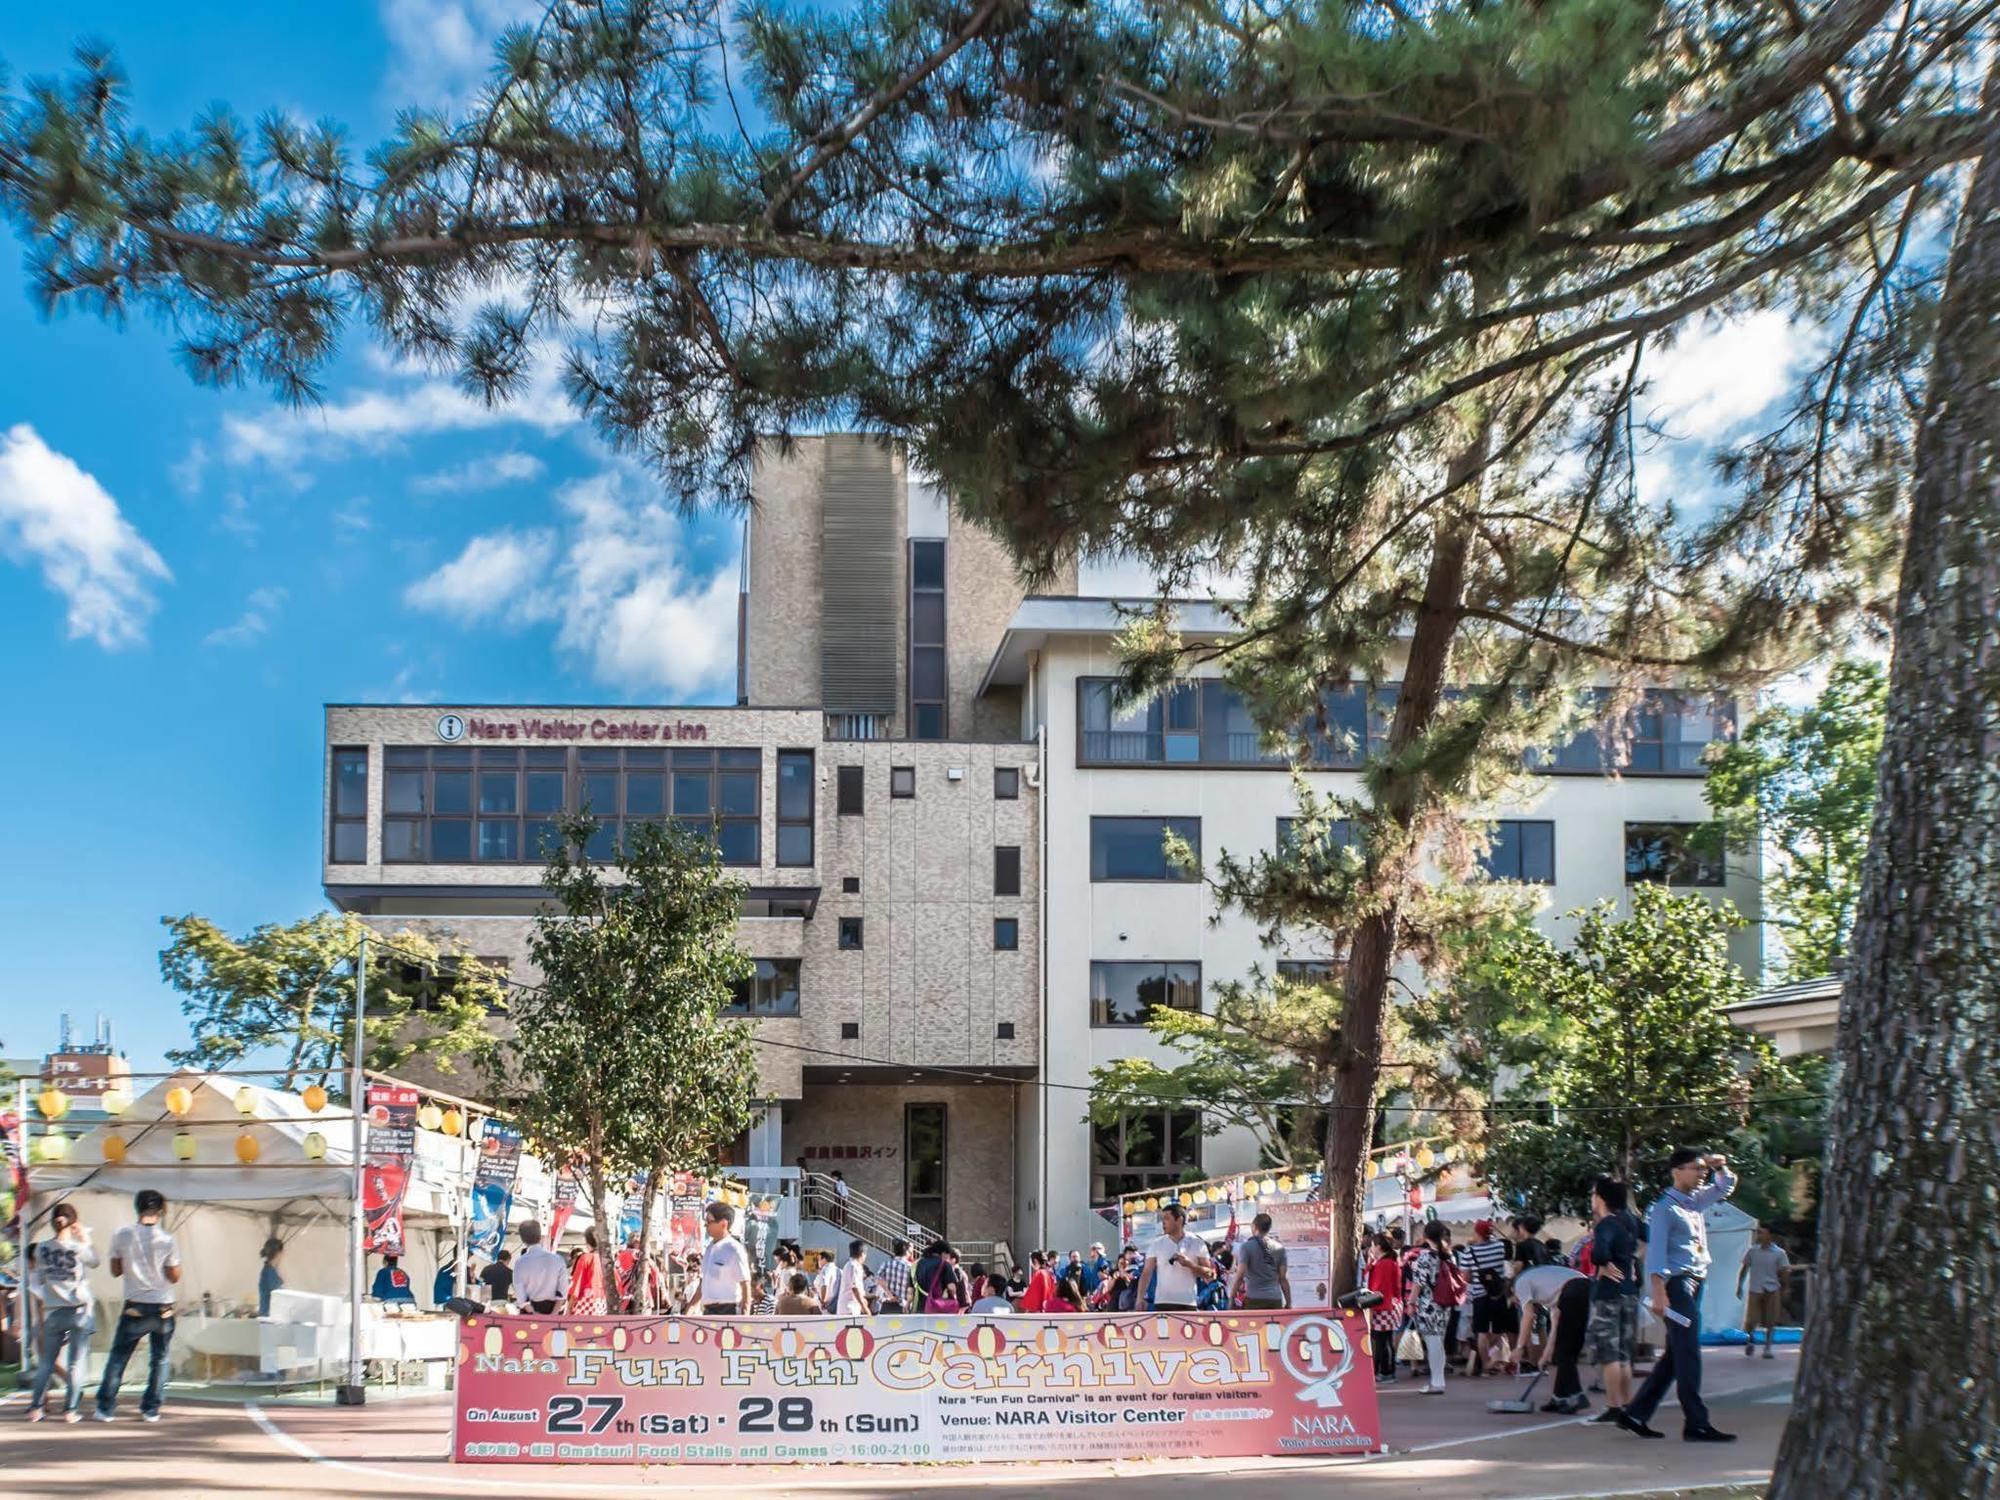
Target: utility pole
x=354, y=1392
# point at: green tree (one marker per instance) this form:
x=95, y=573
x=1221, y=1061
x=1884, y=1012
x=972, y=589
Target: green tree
x=622, y=1059
x=1353, y=299
x=286, y=991
x=1801, y=782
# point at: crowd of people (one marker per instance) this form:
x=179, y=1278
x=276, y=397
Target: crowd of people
x=1503, y=1302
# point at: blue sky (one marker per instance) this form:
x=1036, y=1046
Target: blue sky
x=185, y=577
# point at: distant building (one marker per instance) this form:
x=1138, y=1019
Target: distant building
x=951, y=840
x=1801, y=1019
x=85, y=1071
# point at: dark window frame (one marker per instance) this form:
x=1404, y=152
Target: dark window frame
x=1684, y=867
x=1006, y=783
x=1171, y=874
x=1010, y=929
x=850, y=927
x=795, y=821
x=934, y=652
x=1128, y=1168
x=850, y=791
x=1498, y=856
x=908, y=775
x=1006, y=881
x=1172, y=983
x=336, y=819
x=772, y=991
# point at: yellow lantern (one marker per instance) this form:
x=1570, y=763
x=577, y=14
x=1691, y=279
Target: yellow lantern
x=246, y=1100
x=183, y=1146
x=315, y=1098
x=1374, y=1169
x=115, y=1101
x=1200, y=1195
x=54, y=1146
x=314, y=1146
x=1268, y=1186
x=1249, y=1187
x=179, y=1100
x=1426, y=1158
x=1152, y=1205
x=429, y=1117
x=247, y=1149
x=52, y=1102
x=114, y=1147
x=454, y=1122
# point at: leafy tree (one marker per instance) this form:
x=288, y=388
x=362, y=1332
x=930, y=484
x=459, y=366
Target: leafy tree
x=1801, y=781
x=288, y=989
x=1609, y=1053
x=1354, y=299
x=622, y=1059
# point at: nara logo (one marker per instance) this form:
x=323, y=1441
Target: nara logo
x=1317, y=1353
x=450, y=728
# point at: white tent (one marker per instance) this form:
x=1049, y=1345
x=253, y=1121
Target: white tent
x=1730, y=1231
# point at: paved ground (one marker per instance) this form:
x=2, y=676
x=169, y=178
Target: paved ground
x=1447, y=1448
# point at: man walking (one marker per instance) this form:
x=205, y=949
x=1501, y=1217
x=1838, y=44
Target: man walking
x=1766, y=1267
x=1260, y=1272
x=540, y=1277
x=1614, y=1294
x=145, y=1255
x=725, y=1267
x=1175, y=1263
x=1676, y=1266
x=893, y=1280
x=851, y=1300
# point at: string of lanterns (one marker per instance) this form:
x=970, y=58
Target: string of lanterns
x=53, y=1146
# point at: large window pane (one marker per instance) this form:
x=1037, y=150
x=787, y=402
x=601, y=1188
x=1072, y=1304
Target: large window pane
x=795, y=844
x=927, y=672
x=693, y=791
x=795, y=790
x=927, y=619
x=405, y=793
x=738, y=792
x=545, y=791
x=350, y=785
x=1135, y=848
x=540, y=840
x=926, y=565
x=927, y=722
x=497, y=791
x=451, y=791
x=403, y=841
x=497, y=838
x=1124, y=994
x=600, y=793
x=602, y=845
x=645, y=793
x=350, y=843
x=451, y=840
x=738, y=842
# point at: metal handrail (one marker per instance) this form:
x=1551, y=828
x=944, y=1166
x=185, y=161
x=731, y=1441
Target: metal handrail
x=869, y=1219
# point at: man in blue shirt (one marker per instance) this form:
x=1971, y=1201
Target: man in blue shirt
x=1676, y=1267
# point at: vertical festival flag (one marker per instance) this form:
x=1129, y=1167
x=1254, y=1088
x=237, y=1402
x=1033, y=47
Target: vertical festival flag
x=385, y=1180
x=565, y=1205
x=493, y=1186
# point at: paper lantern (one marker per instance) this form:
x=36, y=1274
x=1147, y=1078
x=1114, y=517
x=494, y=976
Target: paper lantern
x=453, y=1122
x=247, y=1149
x=788, y=1343
x=1284, y=1184
x=114, y=1147
x=314, y=1146
x=1268, y=1186
x=430, y=1117
x=183, y=1146
x=53, y=1147
x=1249, y=1187
x=179, y=1100
x=729, y=1338
x=246, y=1100
x=53, y=1103
x=853, y=1342
x=1374, y=1169
x=1152, y=1205
x=1426, y=1158
x=115, y=1101
x=1200, y=1195
x=315, y=1098
x=986, y=1341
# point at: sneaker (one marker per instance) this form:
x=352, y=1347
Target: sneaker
x=72, y=1416
x=101, y=1415
x=149, y=1416
x=35, y=1414
x=1707, y=1435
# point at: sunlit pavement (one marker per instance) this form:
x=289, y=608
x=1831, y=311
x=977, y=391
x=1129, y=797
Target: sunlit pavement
x=1446, y=1448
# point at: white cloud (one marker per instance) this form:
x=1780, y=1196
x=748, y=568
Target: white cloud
x=255, y=621
x=1718, y=377
x=58, y=517
x=615, y=582
x=497, y=576
x=485, y=473
x=440, y=50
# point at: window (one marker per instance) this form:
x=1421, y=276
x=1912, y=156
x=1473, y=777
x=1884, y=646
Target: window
x=1522, y=849
x=850, y=933
x=457, y=805
x=1006, y=783
x=850, y=1031
x=1004, y=1031
x=795, y=807
x=1124, y=994
x=1135, y=848
x=924, y=1166
x=1006, y=870
x=1144, y=1151
x=1006, y=934
x=1328, y=973
x=927, y=662
x=772, y=991
x=850, y=885
x=848, y=782
x=1669, y=853
x=1335, y=835
x=347, y=843
x=902, y=781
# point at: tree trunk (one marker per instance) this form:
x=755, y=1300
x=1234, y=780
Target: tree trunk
x=1900, y=1392
x=607, y=1230
x=655, y=1175
x=1350, y=1127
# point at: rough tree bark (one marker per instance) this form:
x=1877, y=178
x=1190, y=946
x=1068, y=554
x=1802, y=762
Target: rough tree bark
x=1900, y=1392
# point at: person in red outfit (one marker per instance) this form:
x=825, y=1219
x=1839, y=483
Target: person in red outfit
x=586, y=1280
x=1041, y=1284
x=1385, y=1278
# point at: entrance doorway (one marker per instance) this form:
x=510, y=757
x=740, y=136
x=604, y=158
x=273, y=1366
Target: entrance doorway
x=923, y=1170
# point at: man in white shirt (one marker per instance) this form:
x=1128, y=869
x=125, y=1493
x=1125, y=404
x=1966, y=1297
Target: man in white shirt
x=540, y=1276
x=852, y=1299
x=725, y=1267
x=826, y=1280
x=146, y=1256
x=1174, y=1263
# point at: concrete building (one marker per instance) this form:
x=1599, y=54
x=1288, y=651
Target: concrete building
x=1801, y=1019
x=950, y=842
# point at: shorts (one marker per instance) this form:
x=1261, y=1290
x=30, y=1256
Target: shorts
x=1763, y=1310
x=1612, y=1331
x=1495, y=1315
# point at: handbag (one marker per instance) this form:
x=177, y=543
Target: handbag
x=945, y=1301
x=1410, y=1348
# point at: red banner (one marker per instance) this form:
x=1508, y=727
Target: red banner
x=385, y=1178
x=912, y=1390
x=564, y=1206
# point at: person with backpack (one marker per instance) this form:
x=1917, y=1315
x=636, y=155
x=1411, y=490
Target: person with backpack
x=941, y=1283
x=1437, y=1292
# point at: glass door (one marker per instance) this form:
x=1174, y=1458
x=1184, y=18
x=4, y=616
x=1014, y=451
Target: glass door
x=923, y=1165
